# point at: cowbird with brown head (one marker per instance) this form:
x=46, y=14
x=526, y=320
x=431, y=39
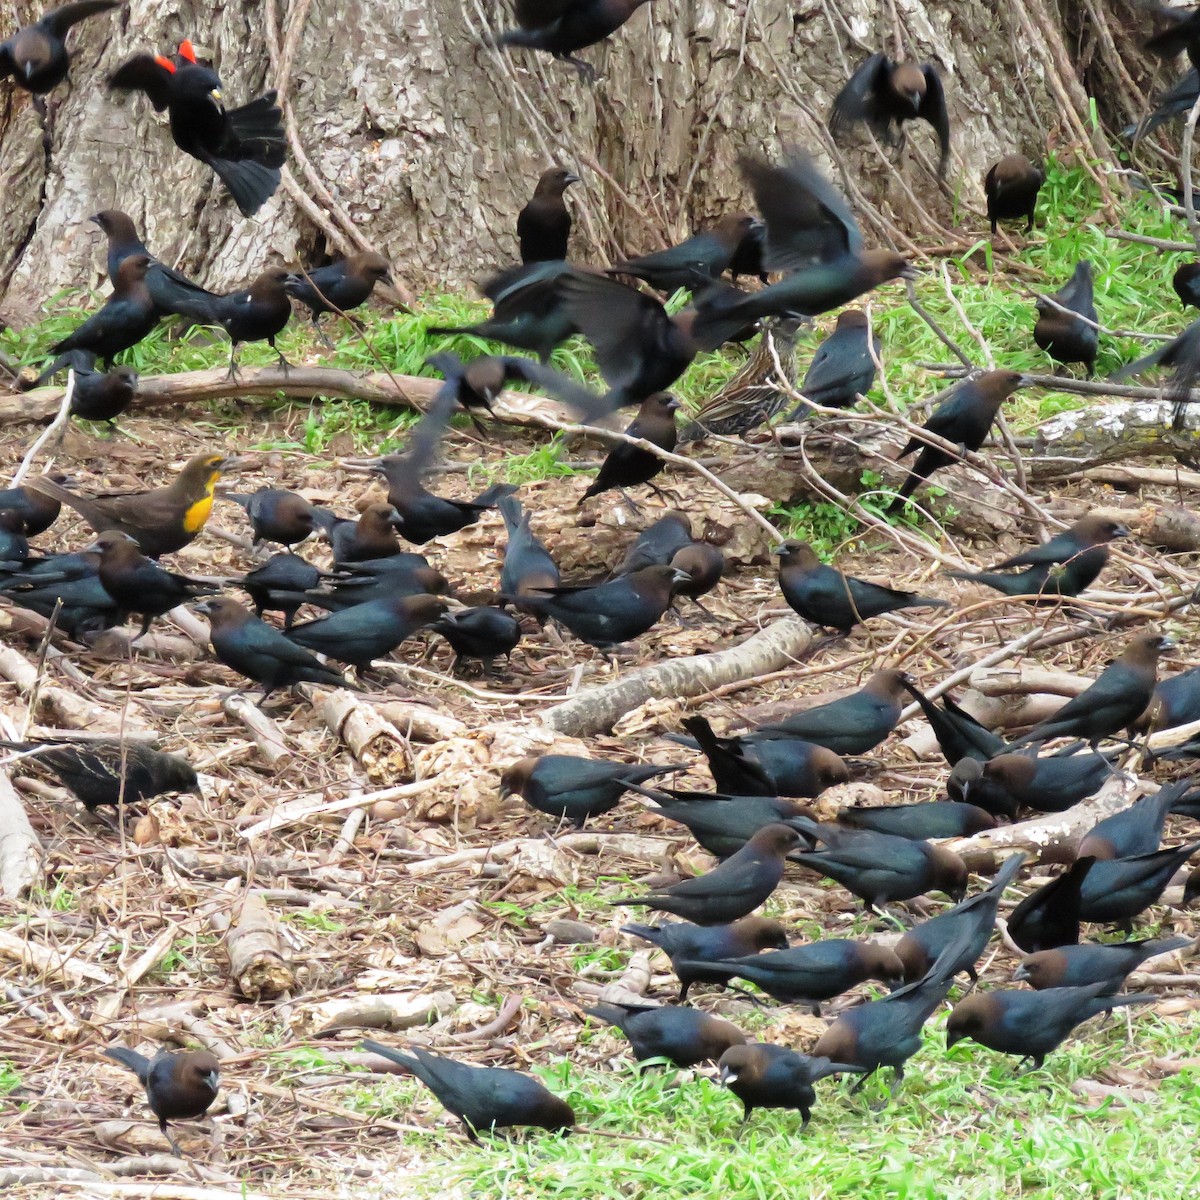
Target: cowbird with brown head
x=1113, y=703
x=37, y=510
x=919, y=822
x=484, y=633
x=828, y=598
x=1012, y=187
x=544, y=224
x=704, y=565
x=694, y=949
x=276, y=515
x=66, y=587
x=683, y=1036
x=964, y=418
x=657, y=544
x=1071, y=336
x=1107, y=964
x=482, y=1098
x=627, y=466
x=1030, y=1024
x=257, y=313
x=1135, y=830
x=180, y=1084
x=96, y=395
x=573, y=789
x=694, y=263
x=1049, y=917
x=560, y=27
x=734, y=888
x=339, y=286
x=843, y=367
x=279, y=585
x=1176, y=702
x=959, y=735
x=372, y=536
x=765, y=1076
x=35, y=57
x=361, y=634
x=1009, y=782
x=1119, y=889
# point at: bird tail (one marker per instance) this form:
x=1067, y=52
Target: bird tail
x=648, y=933
x=1007, y=873
x=258, y=128
x=1108, y=1003
x=46, y=486
x=531, y=38
x=820, y=1067
x=495, y=494
x=250, y=183
x=515, y=517
x=610, y=1014
x=139, y=1064
x=391, y=1055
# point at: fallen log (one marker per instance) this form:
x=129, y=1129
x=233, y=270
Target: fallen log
x=20, y=847
x=257, y=964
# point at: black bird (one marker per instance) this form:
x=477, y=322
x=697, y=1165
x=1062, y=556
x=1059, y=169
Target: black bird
x=277, y=515
x=483, y=633
x=36, y=57
x=245, y=146
x=338, y=287
x=254, y=314
x=827, y=597
x=1182, y=353
x=1093, y=963
x=110, y=771
x=570, y=788
x=1084, y=547
x=259, y=651
x=919, y=822
x=693, y=949
x=721, y=824
x=625, y=465
x=560, y=27
x=67, y=588
x=482, y=1098
x=683, y=1036
x=1012, y=187
x=278, y=585
x=747, y=258
x=1067, y=336
x=884, y=94
x=843, y=367
x=1049, y=917
x=98, y=395
x=958, y=734
x=694, y=263
x=968, y=926
x=14, y=545
x=764, y=1076
x=403, y=574
x=180, y=1084
x=656, y=544
x=544, y=224
x=963, y=418
x=528, y=566
x=1114, y=701
x=1181, y=36
x=1117, y=890
x=1030, y=1024
x=361, y=634
x=1135, y=830
x=37, y=510
x=610, y=613
x=1009, y=782
x=1176, y=700
x=732, y=889
x=817, y=972
x=1186, y=282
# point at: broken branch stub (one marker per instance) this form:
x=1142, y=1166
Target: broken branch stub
x=257, y=964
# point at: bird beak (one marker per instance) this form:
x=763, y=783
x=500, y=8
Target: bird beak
x=910, y=272
x=680, y=576
x=1121, y=531
x=952, y=1039
x=674, y=405
x=292, y=281
x=205, y=607
x=572, y=178
x=216, y=94
x=1025, y=381
x=212, y=1079
x=1167, y=643
x=728, y=1076
x=28, y=68
x=505, y=791
x=1021, y=974
x=779, y=550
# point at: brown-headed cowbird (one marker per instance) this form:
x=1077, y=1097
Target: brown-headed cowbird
x=734, y=888
x=812, y=234
x=1181, y=36
x=817, y=972
x=610, y=613
x=404, y=574
x=483, y=633
x=963, y=418
x=528, y=566
x=1181, y=353
x=276, y=515
x=1030, y=1024
x=36, y=57
x=1176, y=101
x=1114, y=702
x=627, y=466
x=97, y=395
x=110, y=771
x=162, y=520
x=279, y=585
x=38, y=511
x=704, y=565
x=361, y=634
x=339, y=286
x=66, y=587
x=1012, y=187
x=843, y=367
x=1107, y=964
x=180, y=1084
x=1176, y=702
x=560, y=27
x=1049, y=917
x=1063, y=335
x=570, y=788
x=693, y=949
x=694, y=263
x=544, y=224
x=828, y=598
x=958, y=734
x=1135, y=830
x=657, y=544
x=482, y=1098
x=1186, y=282
x=1117, y=890
x=372, y=536
x=254, y=314
x=968, y=925
x=259, y=651
x=245, y=146
x=683, y=1036
x=932, y=819
x=765, y=1076
x=1010, y=782
x=855, y=724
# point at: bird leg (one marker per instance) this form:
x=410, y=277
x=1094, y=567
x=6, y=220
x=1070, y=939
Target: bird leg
x=173, y=1143
x=637, y=512
x=284, y=365
x=232, y=373
x=586, y=71
x=316, y=320
x=861, y=1082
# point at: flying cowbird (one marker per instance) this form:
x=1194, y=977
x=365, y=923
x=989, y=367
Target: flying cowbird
x=180, y=1084
x=1030, y=1024
x=963, y=418
x=259, y=651
x=245, y=146
x=722, y=824
x=765, y=1076
x=1186, y=282
x=1107, y=963
x=884, y=94
x=817, y=972
x=1119, y=889
x=279, y=585
x=1181, y=35
x=35, y=57
x=1009, y=782
x=1182, y=353
x=1175, y=102
x=968, y=926
x=1135, y=830
x=544, y=224
x=361, y=634
x=932, y=819
x=1114, y=702
x=276, y=515
x=1012, y=187
x=812, y=234
x=843, y=367
x=958, y=734
x=1049, y=917
x=110, y=771
x=570, y=788
x=257, y=313
x=693, y=949
x=1067, y=336
x=528, y=566
x=732, y=889
x=339, y=286
x=560, y=27
x=162, y=520
x=694, y=263
x=610, y=613
x=855, y=724
x=627, y=466
x=827, y=597
x=683, y=1036
x=357, y=583
x=482, y=1098
x=657, y=544
x=483, y=633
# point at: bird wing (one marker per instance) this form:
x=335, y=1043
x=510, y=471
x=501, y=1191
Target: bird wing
x=1167, y=355
x=538, y=14
x=145, y=73
x=1058, y=548
x=732, y=878
x=856, y=101
x=7, y=66
x=587, y=405
x=59, y=20
x=933, y=110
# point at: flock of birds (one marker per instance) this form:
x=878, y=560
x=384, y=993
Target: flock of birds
x=378, y=594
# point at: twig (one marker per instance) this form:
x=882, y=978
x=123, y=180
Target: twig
x=64, y=415
x=1189, y=137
